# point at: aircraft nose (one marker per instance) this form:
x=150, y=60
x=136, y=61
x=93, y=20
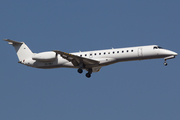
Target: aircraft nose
x=175, y=53
x=172, y=53
x=168, y=52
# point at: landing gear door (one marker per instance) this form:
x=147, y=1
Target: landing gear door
x=140, y=52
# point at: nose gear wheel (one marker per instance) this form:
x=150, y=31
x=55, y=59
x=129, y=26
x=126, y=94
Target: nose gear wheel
x=165, y=63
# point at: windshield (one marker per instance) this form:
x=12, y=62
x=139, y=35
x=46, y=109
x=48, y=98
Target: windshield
x=160, y=47
x=157, y=47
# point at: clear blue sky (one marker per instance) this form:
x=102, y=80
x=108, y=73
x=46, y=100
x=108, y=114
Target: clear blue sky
x=139, y=90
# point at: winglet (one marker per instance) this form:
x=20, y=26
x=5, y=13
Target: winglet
x=12, y=41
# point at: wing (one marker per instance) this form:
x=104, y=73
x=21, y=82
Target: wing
x=77, y=60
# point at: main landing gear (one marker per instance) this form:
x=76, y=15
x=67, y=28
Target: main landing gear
x=80, y=70
x=88, y=75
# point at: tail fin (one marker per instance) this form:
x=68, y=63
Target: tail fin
x=22, y=50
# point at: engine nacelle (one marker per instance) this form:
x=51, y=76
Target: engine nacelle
x=45, y=56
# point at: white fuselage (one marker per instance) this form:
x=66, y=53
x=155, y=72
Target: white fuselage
x=105, y=57
x=92, y=61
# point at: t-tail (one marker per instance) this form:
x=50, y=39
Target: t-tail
x=22, y=50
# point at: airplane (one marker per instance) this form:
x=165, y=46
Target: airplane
x=91, y=61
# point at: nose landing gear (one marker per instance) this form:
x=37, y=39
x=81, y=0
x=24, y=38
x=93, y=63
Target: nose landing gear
x=167, y=58
x=165, y=63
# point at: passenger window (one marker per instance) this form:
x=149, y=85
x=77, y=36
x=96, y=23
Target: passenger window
x=122, y=51
x=80, y=55
x=127, y=51
x=108, y=52
x=117, y=51
x=131, y=50
x=85, y=54
x=104, y=53
x=94, y=53
x=113, y=52
x=99, y=53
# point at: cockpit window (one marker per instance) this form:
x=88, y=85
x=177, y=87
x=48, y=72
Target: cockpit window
x=157, y=47
x=160, y=47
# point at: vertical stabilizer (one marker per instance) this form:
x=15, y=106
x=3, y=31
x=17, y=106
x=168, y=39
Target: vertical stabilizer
x=22, y=50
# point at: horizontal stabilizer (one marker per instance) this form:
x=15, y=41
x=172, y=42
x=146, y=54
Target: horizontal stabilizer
x=12, y=41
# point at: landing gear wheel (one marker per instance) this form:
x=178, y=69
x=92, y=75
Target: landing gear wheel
x=80, y=70
x=88, y=75
x=165, y=63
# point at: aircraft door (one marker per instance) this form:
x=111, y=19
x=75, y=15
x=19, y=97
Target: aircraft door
x=140, y=52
